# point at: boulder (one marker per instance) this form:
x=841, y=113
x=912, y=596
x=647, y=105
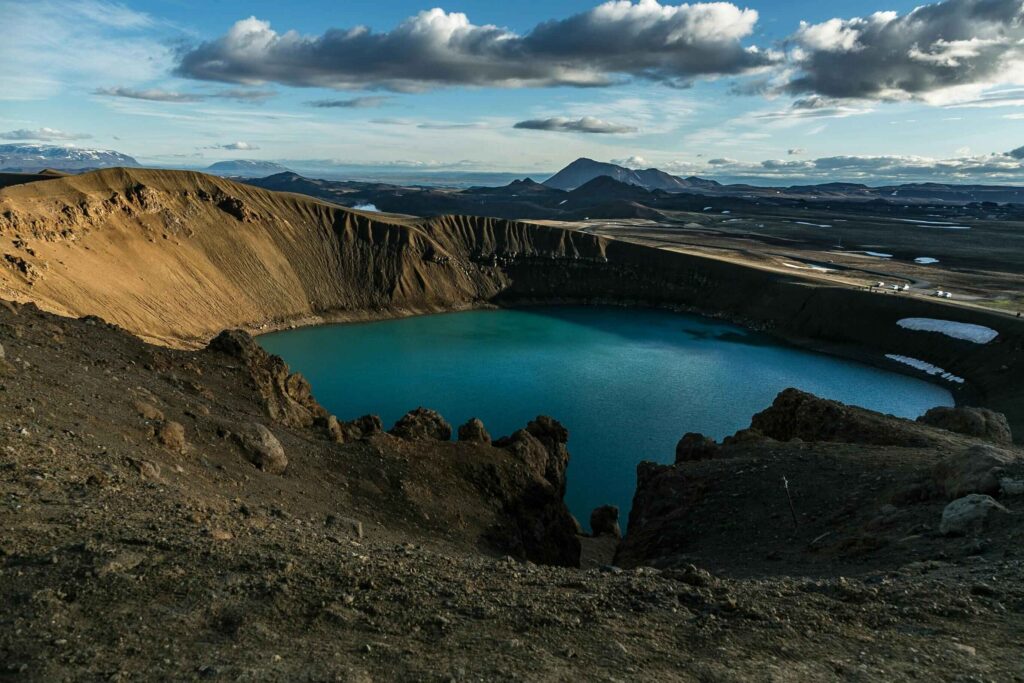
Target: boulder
x=474, y=432
x=262, y=448
x=969, y=515
x=604, y=521
x=334, y=429
x=422, y=424
x=287, y=396
x=694, y=446
x=147, y=411
x=977, y=469
x=172, y=435
x=978, y=422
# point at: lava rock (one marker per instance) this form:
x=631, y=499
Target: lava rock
x=172, y=435
x=604, y=521
x=694, y=446
x=979, y=422
x=148, y=411
x=422, y=424
x=362, y=427
x=975, y=470
x=474, y=432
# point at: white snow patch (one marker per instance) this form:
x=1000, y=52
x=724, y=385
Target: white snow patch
x=925, y=260
x=366, y=207
x=924, y=366
x=813, y=225
x=820, y=269
x=562, y=202
x=979, y=334
x=877, y=254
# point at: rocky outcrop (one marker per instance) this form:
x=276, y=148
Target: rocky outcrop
x=473, y=431
x=977, y=422
x=978, y=469
x=287, y=396
x=422, y=424
x=604, y=521
x=798, y=415
x=694, y=446
x=537, y=522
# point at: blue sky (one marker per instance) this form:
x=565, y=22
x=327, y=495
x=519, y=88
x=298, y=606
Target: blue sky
x=725, y=93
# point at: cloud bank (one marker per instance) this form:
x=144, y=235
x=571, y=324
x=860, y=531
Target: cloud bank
x=43, y=135
x=932, y=53
x=158, y=95
x=586, y=124
x=598, y=47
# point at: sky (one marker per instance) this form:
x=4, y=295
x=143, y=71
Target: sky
x=769, y=91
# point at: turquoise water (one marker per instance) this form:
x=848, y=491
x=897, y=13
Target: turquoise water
x=627, y=383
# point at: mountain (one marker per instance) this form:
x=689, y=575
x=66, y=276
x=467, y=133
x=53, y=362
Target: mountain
x=34, y=158
x=584, y=170
x=245, y=167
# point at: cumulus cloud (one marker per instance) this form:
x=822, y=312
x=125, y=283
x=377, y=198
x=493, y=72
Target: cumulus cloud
x=587, y=124
x=351, y=103
x=43, y=135
x=632, y=162
x=935, y=52
x=237, y=146
x=158, y=95
x=615, y=40
x=817, y=107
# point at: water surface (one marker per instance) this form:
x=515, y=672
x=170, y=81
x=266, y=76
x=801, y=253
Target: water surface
x=627, y=383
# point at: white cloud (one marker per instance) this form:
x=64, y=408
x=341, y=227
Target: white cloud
x=42, y=135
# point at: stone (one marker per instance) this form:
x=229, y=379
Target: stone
x=334, y=429
x=604, y=521
x=422, y=424
x=978, y=422
x=172, y=435
x=263, y=448
x=694, y=446
x=977, y=469
x=474, y=432
x=362, y=427
x=148, y=411
x=969, y=515
x=3, y=354
x=352, y=527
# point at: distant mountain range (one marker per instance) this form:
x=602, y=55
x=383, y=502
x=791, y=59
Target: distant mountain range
x=34, y=158
x=246, y=167
x=583, y=170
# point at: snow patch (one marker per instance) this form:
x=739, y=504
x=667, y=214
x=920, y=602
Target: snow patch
x=813, y=225
x=924, y=366
x=366, y=207
x=798, y=266
x=979, y=334
x=925, y=260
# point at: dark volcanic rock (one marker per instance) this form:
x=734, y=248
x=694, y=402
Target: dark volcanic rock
x=541, y=527
x=421, y=424
x=798, y=415
x=979, y=422
x=287, y=396
x=975, y=470
x=362, y=427
x=474, y=432
x=604, y=521
x=694, y=446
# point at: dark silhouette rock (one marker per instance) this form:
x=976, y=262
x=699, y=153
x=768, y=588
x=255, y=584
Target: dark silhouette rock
x=422, y=424
x=604, y=521
x=694, y=446
x=979, y=469
x=474, y=432
x=979, y=422
x=362, y=428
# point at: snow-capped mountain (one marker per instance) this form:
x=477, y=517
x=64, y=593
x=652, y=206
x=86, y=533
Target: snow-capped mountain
x=30, y=158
